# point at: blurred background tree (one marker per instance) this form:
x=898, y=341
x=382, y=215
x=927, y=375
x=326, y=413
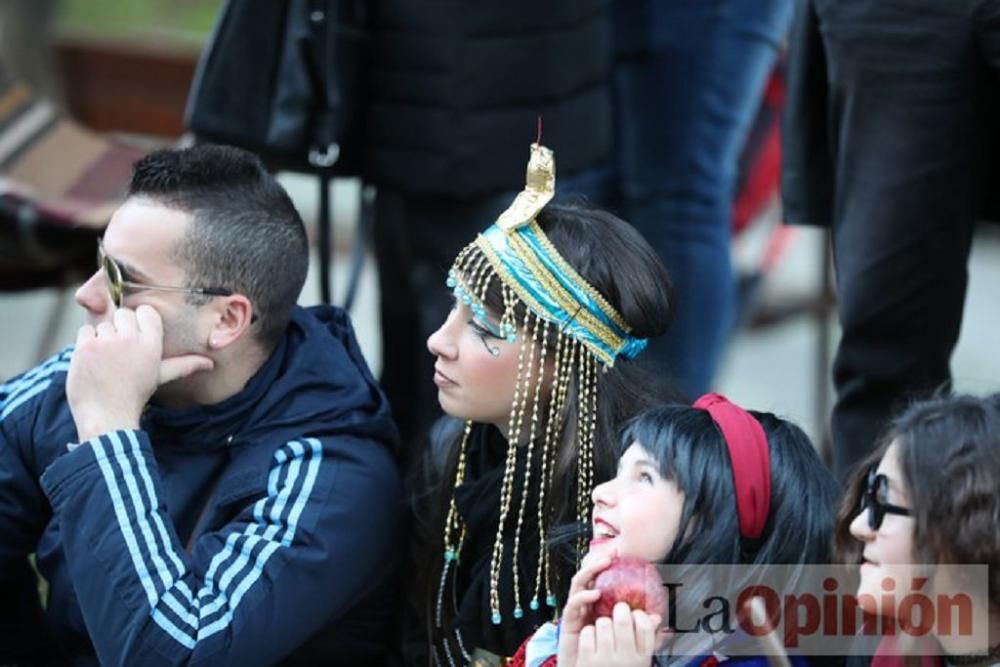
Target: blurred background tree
x=116, y=65
x=157, y=23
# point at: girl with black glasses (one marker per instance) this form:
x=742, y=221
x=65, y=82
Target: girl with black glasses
x=928, y=497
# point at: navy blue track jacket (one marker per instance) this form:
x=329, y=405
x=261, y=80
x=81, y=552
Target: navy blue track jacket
x=263, y=529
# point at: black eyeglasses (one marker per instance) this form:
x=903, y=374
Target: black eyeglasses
x=873, y=500
x=116, y=282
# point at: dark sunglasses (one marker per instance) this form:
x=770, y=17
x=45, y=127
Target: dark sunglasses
x=873, y=500
x=113, y=277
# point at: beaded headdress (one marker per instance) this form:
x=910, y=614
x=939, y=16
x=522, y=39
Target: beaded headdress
x=565, y=317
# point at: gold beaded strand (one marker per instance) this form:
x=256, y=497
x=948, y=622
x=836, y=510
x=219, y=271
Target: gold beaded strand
x=453, y=523
x=526, y=486
x=509, y=469
x=583, y=425
x=543, y=472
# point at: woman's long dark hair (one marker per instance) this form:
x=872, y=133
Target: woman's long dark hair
x=614, y=259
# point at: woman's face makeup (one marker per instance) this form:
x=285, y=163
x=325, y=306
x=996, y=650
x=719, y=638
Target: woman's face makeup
x=476, y=368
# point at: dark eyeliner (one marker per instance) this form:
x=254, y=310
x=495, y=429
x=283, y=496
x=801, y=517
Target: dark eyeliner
x=485, y=334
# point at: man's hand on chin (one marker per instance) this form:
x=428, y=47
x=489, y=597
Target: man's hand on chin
x=116, y=368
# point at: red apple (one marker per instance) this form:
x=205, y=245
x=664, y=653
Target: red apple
x=633, y=581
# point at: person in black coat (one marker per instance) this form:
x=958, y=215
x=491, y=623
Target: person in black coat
x=454, y=94
x=890, y=137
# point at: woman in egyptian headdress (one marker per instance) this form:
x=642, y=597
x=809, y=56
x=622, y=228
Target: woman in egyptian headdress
x=536, y=371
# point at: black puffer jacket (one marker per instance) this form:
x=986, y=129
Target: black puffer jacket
x=455, y=88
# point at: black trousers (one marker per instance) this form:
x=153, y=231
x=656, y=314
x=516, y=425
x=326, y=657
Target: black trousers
x=416, y=241
x=911, y=120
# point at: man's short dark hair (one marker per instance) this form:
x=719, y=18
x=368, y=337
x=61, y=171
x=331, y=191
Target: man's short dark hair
x=245, y=234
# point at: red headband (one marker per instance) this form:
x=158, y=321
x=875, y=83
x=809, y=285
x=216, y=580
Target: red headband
x=748, y=451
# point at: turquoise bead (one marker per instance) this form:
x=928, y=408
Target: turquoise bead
x=518, y=612
x=496, y=619
x=551, y=600
x=534, y=605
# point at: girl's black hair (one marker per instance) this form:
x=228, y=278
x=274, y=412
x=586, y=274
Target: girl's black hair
x=691, y=450
x=614, y=259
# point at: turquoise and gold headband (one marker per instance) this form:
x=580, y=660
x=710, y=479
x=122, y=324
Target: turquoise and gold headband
x=523, y=257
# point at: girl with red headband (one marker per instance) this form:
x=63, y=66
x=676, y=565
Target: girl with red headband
x=708, y=484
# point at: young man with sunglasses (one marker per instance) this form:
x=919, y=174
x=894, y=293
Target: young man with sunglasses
x=206, y=476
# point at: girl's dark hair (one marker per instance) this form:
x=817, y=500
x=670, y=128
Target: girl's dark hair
x=691, y=451
x=617, y=261
x=948, y=450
